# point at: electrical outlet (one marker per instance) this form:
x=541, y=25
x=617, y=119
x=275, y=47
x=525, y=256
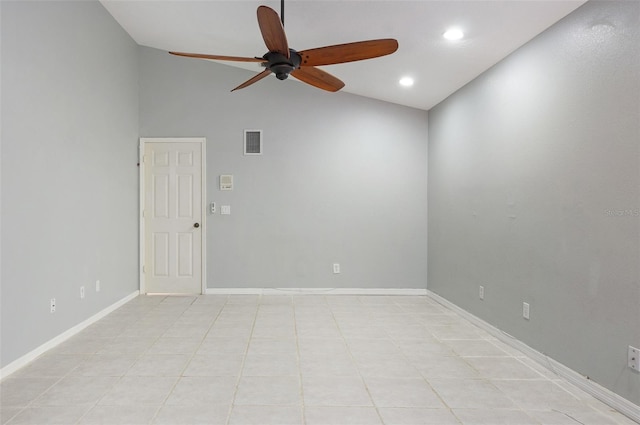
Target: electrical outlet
x=634, y=358
x=82, y=292
x=481, y=292
x=336, y=268
x=53, y=305
x=525, y=310
x=97, y=286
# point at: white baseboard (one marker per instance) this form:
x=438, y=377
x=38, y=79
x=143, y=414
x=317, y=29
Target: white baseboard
x=32, y=355
x=315, y=291
x=608, y=397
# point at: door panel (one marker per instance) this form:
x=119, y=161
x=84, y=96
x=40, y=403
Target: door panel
x=172, y=207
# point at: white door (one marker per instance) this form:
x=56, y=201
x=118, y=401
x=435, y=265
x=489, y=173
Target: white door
x=172, y=191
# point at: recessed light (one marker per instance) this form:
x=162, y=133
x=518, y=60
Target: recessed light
x=406, y=81
x=453, y=34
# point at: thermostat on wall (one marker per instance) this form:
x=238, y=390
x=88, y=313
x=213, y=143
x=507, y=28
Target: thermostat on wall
x=226, y=182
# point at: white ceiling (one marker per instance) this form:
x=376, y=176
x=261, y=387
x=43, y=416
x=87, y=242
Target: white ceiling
x=493, y=30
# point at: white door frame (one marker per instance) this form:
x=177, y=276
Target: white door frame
x=203, y=239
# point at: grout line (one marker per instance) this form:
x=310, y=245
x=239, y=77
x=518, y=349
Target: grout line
x=355, y=363
x=295, y=335
x=244, y=359
x=188, y=362
x=424, y=378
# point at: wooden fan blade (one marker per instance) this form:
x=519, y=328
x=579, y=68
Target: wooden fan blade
x=218, y=57
x=272, y=31
x=254, y=79
x=349, y=52
x=318, y=78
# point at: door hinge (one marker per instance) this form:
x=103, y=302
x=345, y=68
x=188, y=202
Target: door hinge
x=144, y=269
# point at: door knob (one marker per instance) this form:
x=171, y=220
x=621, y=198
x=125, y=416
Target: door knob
x=196, y=225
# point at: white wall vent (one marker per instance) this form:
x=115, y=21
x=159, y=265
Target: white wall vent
x=253, y=142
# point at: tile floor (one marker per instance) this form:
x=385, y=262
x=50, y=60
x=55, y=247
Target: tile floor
x=280, y=360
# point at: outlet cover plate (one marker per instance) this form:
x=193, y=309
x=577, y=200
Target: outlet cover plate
x=634, y=358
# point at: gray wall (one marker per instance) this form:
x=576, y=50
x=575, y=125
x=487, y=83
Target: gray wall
x=69, y=175
x=342, y=178
x=533, y=192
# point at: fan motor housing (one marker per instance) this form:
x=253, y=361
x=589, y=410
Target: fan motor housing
x=280, y=65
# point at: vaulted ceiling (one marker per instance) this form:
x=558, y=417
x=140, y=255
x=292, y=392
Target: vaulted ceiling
x=439, y=67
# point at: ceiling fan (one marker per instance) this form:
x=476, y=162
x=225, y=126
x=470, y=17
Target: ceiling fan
x=284, y=61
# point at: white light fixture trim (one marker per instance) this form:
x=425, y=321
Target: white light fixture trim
x=453, y=34
x=406, y=81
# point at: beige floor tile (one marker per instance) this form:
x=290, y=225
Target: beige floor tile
x=475, y=348
x=175, y=345
x=215, y=364
x=83, y=343
x=386, y=366
x=446, y=368
x=7, y=413
x=198, y=391
x=192, y=415
x=341, y=415
x=266, y=415
x=229, y=329
x=318, y=331
x=461, y=331
x=159, y=365
x=272, y=346
x=127, y=346
x=139, y=390
x=19, y=392
x=51, y=365
x=398, y=392
x=417, y=416
x=271, y=364
x=367, y=331
x=493, y=417
x=268, y=390
x=76, y=390
x=214, y=345
x=105, y=365
x=45, y=415
x=122, y=415
x=552, y=417
x=335, y=391
x=327, y=346
x=327, y=364
x=534, y=395
x=502, y=368
x=180, y=330
x=470, y=394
